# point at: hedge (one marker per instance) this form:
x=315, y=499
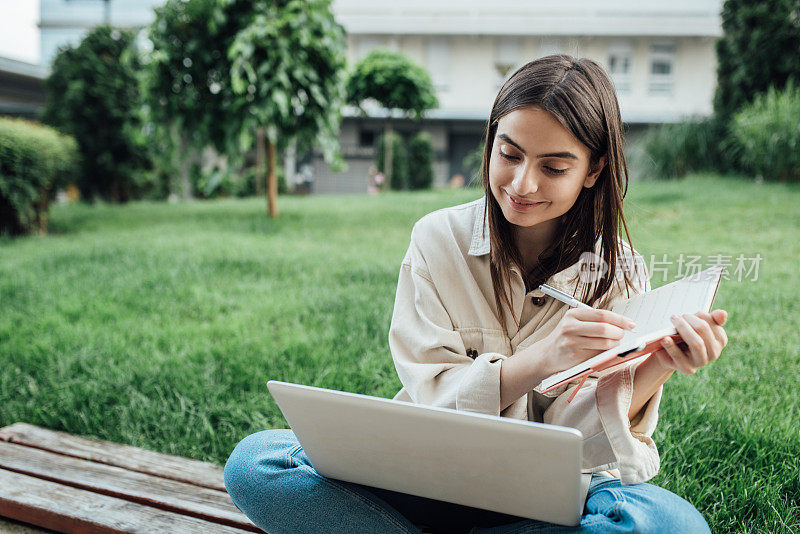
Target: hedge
x=420, y=161
x=34, y=161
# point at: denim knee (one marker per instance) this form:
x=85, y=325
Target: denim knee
x=269, y=478
x=254, y=460
x=641, y=508
x=676, y=514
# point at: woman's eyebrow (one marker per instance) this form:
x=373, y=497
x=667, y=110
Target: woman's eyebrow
x=568, y=155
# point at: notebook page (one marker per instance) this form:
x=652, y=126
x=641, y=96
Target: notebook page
x=651, y=311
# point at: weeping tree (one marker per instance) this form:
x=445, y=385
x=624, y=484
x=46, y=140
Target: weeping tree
x=394, y=82
x=232, y=73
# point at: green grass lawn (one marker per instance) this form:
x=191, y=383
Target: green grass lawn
x=159, y=325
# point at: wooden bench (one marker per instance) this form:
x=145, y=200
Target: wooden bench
x=66, y=483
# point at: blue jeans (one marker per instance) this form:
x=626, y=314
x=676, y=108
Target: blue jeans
x=271, y=480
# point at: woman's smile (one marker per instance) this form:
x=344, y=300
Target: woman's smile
x=519, y=204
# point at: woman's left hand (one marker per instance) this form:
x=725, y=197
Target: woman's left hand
x=703, y=341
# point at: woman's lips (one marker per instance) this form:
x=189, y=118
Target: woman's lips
x=518, y=205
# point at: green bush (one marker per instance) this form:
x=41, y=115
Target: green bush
x=766, y=134
x=34, y=161
x=420, y=161
x=674, y=150
x=399, y=161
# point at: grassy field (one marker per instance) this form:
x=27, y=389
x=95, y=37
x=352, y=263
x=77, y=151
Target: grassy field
x=159, y=325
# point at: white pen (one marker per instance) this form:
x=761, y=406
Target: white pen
x=567, y=299
x=563, y=297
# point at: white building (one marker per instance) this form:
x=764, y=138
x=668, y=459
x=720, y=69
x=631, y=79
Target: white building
x=661, y=57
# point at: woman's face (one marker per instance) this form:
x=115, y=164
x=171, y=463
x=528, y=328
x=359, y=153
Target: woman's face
x=537, y=167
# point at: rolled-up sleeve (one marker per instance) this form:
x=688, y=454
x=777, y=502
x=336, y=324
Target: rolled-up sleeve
x=600, y=411
x=429, y=353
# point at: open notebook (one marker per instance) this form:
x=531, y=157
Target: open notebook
x=651, y=312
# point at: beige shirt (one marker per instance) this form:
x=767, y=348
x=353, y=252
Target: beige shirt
x=448, y=344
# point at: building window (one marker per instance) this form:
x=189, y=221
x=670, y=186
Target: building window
x=366, y=138
x=620, y=66
x=662, y=68
x=438, y=58
x=507, y=56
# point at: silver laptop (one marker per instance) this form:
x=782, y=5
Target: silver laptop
x=521, y=468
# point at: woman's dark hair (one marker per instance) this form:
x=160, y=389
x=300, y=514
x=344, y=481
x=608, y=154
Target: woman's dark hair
x=579, y=94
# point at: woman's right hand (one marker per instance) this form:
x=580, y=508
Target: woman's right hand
x=581, y=334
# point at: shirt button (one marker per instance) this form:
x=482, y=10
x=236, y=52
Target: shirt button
x=472, y=353
x=538, y=301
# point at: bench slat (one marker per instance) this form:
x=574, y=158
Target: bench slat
x=71, y=510
x=133, y=458
x=180, y=497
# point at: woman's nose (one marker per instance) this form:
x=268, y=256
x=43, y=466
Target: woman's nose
x=526, y=182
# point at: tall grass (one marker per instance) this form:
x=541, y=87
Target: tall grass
x=766, y=134
x=675, y=150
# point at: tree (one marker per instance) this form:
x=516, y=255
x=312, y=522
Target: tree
x=288, y=78
x=395, y=82
x=760, y=48
x=231, y=72
x=189, y=80
x=93, y=94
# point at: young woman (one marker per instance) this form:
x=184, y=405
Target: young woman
x=472, y=331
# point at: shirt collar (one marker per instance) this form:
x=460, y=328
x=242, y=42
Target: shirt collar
x=565, y=280
x=480, y=243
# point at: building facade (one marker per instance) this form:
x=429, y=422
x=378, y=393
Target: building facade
x=21, y=88
x=661, y=57
x=66, y=22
